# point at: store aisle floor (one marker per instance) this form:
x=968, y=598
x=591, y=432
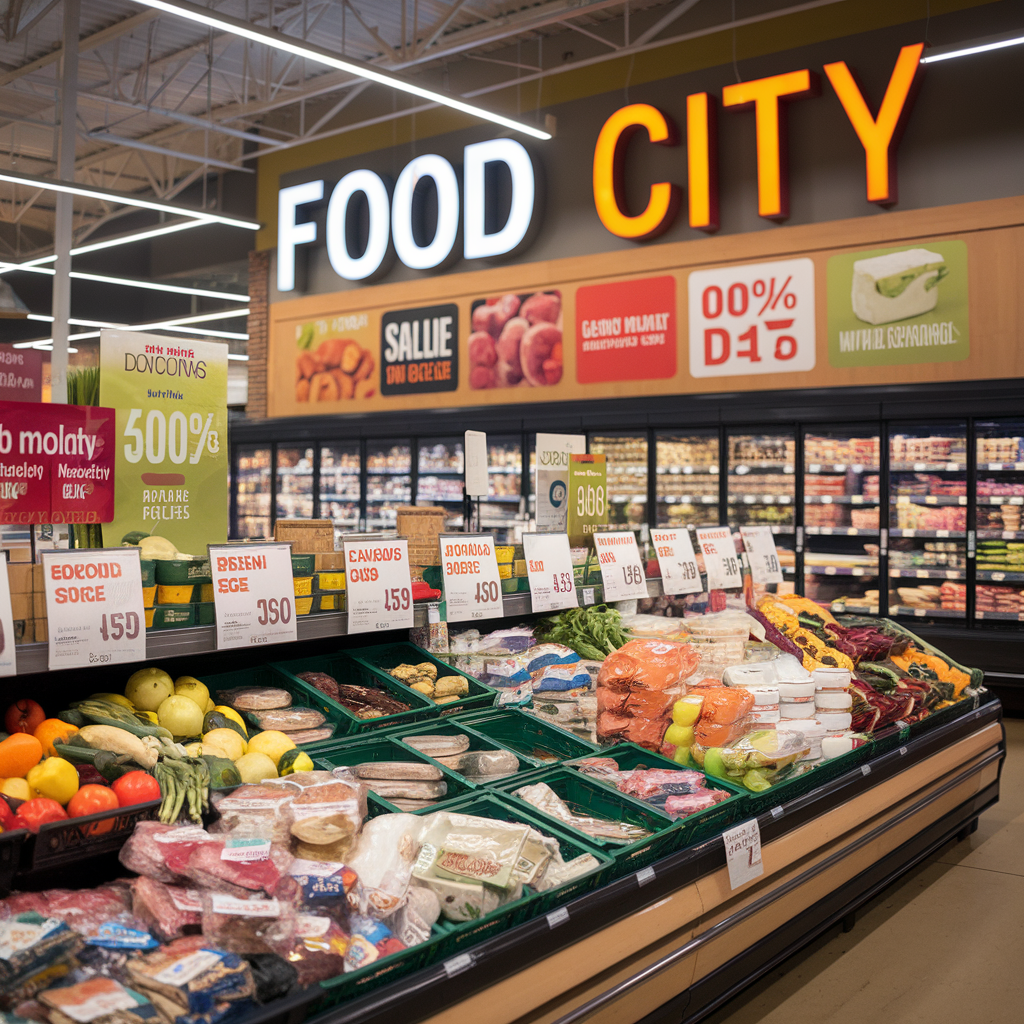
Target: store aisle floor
x=941, y=946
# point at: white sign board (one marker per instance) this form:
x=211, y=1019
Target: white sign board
x=476, y=463
x=720, y=560
x=621, y=570
x=472, y=585
x=379, y=584
x=679, y=572
x=549, y=568
x=764, y=559
x=743, y=853
x=552, y=490
x=94, y=607
x=253, y=594
x=8, y=666
x=755, y=318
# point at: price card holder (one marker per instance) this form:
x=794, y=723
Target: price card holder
x=549, y=569
x=621, y=570
x=743, y=853
x=94, y=607
x=679, y=572
x=253, y=594
x=472, y=585
x=764, y=559
x=723, y=567
x=379, y=593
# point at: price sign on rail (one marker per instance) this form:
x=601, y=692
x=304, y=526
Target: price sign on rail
x=94, y=607
x=720, y=559
x=549, y=568
x=764, y=559
x=472, y=585
x=379, y=584
x=679, y=572
x=621, y=570
x=253, y=594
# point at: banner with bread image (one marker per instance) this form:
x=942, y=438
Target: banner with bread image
x=332, y=362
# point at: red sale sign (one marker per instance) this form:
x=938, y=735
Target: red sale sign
x=626, y=331
x=56, y=463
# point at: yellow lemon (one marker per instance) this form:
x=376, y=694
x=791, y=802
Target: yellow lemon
x=255, y=767
x=224, y=743
x=189, y=686
x=148, y=688
x=270, y=742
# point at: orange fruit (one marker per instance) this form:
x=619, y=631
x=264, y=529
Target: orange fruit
x=53, y=730
x=19, y=753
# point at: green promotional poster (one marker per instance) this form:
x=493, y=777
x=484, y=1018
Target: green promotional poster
x=888, y=307
x=588, y=497
x=171, y=448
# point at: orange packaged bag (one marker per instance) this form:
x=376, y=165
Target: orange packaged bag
x=724, y=705
x=651, y=664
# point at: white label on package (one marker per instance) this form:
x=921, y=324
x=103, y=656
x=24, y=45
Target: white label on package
x=246, y=850
x=764, y=559
x=188, y=967
x=94, y=607
x=310, y=926
x=549, y=568
x=253, y=594
x=107, y=998
x=187, y=900
x=379, y=585
x=679, y=572
x=476, y=464
x=743, y=853
x=755, y=318
x=472, y=585
x=223, y=904
x=621, y=571
x=720, y=561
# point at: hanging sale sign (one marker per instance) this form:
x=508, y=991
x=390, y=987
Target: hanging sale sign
x=552, y=456
x=379, y=584
x=678, y=563
x=94, y=607
x=172, y=456
x=720, y=561
x=549, y=569
x=764, y=559
x=253, y=594
x=588, y=495
x=621, y=570
x=472, y=585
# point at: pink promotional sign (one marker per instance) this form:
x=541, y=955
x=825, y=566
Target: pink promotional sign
x=21, y=374
x=56, y=463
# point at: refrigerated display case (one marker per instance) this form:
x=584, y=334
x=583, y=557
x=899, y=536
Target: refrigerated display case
x=341, y=485
x=440, y=475
x=294, y=490
x=928, y=520
x=388, y=481
x=252, y=492
x=687, y=478
x=762, y=480
x=626, y=459
x=504, y=482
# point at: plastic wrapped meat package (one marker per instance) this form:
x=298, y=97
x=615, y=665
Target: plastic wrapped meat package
x=261, y=809
x=758, y=760
x=247, y=925
x=327, y=810
x=545, y=799
x=676, y=793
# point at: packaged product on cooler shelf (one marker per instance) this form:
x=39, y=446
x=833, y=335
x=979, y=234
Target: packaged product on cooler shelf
x=544, y=798
x=757, y=760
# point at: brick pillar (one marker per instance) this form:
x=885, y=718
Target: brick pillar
x=259, y=326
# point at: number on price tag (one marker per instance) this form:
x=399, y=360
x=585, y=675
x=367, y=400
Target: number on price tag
x=679, y=572
x=379, y=584
x=253, y=594
x=94, y=607
x=621, y=571
x=723, y=567
x=761, y=550
x=472, y=585
x=743, y=853
x=549, y=570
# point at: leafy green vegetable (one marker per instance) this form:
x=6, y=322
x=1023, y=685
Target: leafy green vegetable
x=897, y=284
x=593, y=633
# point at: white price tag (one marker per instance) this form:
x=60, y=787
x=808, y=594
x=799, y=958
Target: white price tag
x=94, y=607
x=621, y=570
x=743, y=853
x=549, y=568
x=253, y=594
x=8, y=667
x=557, y=917
x=679, y=572
x=379, y=584
x=764, y=558
x=476, y=463
x=723, y=567
x=472, y=586
x=643, y=876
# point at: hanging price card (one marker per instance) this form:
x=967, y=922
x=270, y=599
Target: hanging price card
x=679, y=572
x=472, y=585
x=743, y=853
x=94, y=607
x=764, y=559
x=379, y=584
x=253, y=594
x=621, y=571
x=719, y=551
x=549, y=568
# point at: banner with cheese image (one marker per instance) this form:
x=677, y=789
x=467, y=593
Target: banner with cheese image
x=897, y=306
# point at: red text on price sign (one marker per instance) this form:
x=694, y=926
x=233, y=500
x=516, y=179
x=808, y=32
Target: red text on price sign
x=549, y=568
x=472, y=583
x=253, y=595
x=756, y=318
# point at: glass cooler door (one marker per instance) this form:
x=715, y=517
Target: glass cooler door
x=294, y=491
x=440, y=476
x=928, y=520
x=687, y=489
x=841, y=526
x=626, y=457
x=504, y=482
x=388, y=482
x=252, y=499
x=340, y=484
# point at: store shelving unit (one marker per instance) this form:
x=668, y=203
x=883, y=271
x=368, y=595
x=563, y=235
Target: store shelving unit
x=251, y=492
x=294, y=489
x=439, y=477
x=389, y=482
x=687, y=470
x=504, y=483
x=626, y=462
x=341, y=485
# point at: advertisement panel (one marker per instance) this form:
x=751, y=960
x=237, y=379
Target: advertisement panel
x=588, y=496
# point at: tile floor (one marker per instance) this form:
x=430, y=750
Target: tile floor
x=943, y=946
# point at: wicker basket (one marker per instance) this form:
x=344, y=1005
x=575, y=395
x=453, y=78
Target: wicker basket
x=422, y=527
x=307, y=536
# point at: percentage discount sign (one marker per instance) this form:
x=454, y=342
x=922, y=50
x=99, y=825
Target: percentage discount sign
x=756, y=318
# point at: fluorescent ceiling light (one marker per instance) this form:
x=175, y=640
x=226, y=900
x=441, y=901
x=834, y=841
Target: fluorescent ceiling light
x=224, y=314
x=123, y=199
x=207, y=332
x=153, y=286
x=238, y=358
x=967, y=49
x=266, y=37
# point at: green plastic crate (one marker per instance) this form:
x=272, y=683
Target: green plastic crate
x=534, y=739
x=381, y=658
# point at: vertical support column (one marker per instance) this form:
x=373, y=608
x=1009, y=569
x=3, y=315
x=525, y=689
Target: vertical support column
x=61, y=302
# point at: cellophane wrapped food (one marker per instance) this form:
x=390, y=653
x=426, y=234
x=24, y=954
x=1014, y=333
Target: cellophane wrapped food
x=248, y=925
x=169, y=911
x=724, y=716
x=544, y=798
x=676, y=793
x=758, y=760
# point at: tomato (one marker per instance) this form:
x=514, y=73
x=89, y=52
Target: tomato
x=136, y=788
x=24, y=716
x=40, y=810
x=6, y=816
x=91, y=800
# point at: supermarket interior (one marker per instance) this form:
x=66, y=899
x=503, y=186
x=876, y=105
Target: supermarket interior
x=512, y=511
